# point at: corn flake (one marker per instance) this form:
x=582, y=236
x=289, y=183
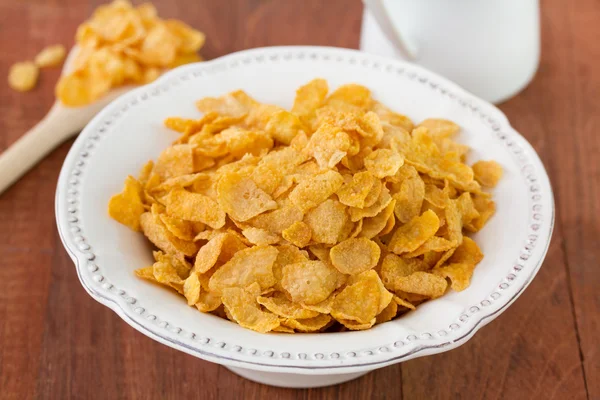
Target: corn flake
x=354, y=192
x=353, y=256
x=309, y=282
x=311, y=192
x=247, y=266
x=283, y=126
x=176, y=160
x=309, y=98
x=23, y=76
x=374, y=194
x=191, y=289
x=313, y=324
x=486, y=208
x=383, y=162
x=436, y=196
x=241, y=198
x=388, y=313
x=404, y=303
x=219, y=248
x=299, y=234
x=158, y=234
x=180, y=228
x=260, y=237
x=435, y=244
x=395, y=267
x=127, y=207
x=236, y=103
x=458, y=273
x=323, y=307
x=361, y=300
x=208, y=301
x=357, y=97
x=392, y=118
x=373, y=226
x=409, y=199
x=327, y=221
x=244, y=310
x=283, y=329
x=413, y=234
x=51, y=56
x=372, y=210
x=329, y=145
x=278, y=220
x=357, y=326
x=487, y=173
x=423, y=283
x=280, y=305
x=195, y=207
x=468, y=252
x=288, y=254
x=176, y=260
x=438, y=127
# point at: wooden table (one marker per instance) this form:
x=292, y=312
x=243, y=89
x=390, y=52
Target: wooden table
x=58, y=343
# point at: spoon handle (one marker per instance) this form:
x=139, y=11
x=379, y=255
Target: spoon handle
x=20, y=157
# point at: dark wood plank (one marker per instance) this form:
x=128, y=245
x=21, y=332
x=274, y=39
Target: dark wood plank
x=56, y=342
x=532, y=350
x=529, y=352
x=571, y=108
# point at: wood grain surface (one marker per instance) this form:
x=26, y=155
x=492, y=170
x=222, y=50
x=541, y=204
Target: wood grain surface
x=58, y=343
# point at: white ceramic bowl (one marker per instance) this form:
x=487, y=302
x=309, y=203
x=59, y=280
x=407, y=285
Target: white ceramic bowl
x=130, y=131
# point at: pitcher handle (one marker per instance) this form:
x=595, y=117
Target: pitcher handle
x=382, y=16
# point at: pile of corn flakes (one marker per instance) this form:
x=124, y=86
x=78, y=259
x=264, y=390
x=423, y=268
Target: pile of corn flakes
x=122, y=44
x=337, y=215
x=119, y=45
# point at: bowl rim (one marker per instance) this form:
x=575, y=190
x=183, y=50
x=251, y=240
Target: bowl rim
x=81, y=252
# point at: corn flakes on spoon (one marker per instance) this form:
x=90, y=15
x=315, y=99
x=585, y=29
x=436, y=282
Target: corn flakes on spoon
x=59, y=124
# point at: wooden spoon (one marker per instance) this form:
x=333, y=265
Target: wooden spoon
x=58, y=125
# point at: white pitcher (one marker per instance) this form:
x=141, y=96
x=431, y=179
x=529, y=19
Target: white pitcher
x=489, y=47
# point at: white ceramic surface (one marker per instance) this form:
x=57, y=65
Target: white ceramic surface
x=491, y=48
x=130, y=131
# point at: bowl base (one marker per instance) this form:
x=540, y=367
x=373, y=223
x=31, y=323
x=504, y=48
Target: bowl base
x=294, y=381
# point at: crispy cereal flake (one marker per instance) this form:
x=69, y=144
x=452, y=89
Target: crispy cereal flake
x=354, y=192
x=314, y=190
x=127, y=207
x=327, y=221
x=383, y=162
x=241, y=198
x=299, y=234
x=353, y=256
x=309, y=282
x=423, y=283
x=313, y=324
x=254, y=264
x=487, y=173
x=195, y=207
x=218, y=249
x=51, y=56
x=23, y=76
x=191, y=289
x=244, y=310
x=280, y=305
x=413, y=234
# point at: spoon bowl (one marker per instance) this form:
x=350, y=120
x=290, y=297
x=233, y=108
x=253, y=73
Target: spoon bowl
x=59, y=124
